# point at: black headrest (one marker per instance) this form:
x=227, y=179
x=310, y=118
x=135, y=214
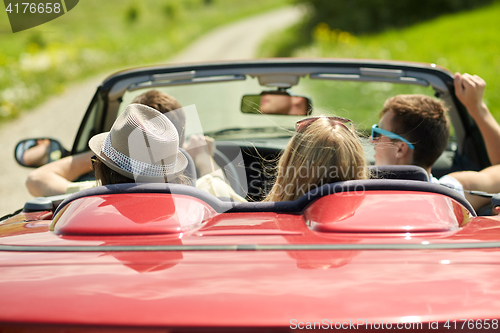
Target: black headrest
x=408, y=172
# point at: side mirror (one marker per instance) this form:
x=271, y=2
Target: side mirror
x=34, y=153
x=276, y=102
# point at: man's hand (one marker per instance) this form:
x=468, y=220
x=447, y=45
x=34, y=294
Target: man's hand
x=469, y=90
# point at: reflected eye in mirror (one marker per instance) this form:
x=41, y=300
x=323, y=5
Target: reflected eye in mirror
x=37, y=152
x=276, y=102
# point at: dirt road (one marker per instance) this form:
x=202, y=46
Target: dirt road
x=60, y=116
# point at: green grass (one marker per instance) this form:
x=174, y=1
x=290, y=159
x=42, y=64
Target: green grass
x=99, y=36
x=463, y=42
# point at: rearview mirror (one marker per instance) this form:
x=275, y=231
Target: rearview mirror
x=34, y=153
x=276, y=102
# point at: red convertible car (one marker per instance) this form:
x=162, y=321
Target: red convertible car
x=392, y=253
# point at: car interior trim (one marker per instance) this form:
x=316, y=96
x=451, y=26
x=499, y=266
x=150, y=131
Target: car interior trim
x=187, y=75
x=251, y=247
x=288, y=207
x=210, y=79
x=363, y=78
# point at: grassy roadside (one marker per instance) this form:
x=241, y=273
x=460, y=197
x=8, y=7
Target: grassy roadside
x=100, y=35
x=464, y=42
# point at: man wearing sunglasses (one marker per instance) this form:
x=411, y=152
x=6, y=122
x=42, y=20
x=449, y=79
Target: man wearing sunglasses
x=414, y=130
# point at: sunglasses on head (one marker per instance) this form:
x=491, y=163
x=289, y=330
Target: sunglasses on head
x=376, y=132
x=302, y=124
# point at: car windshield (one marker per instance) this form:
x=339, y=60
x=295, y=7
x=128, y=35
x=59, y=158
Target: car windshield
x=216, y=106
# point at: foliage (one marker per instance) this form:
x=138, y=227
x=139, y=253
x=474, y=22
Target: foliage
x=132, y=14
x=363, y=16
x=101, y=36
x=463, y=42
x=283, y=43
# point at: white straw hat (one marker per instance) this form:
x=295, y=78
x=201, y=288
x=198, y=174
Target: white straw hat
x=143, y=144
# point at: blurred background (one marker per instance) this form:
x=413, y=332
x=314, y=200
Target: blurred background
x=460, y=35
x=102, y=36
x=48, y=73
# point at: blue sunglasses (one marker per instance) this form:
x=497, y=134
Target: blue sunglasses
x=377, y=131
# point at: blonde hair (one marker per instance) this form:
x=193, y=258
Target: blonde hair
x=321, y=153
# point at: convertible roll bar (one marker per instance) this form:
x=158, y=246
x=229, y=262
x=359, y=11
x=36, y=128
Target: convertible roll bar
x=367, y=74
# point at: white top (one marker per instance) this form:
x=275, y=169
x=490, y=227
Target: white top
x=450, y=182
x=207, y=183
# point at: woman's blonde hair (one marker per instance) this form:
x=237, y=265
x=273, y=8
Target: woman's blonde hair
x=322, y=152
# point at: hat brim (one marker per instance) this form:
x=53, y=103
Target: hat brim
x=96, y=142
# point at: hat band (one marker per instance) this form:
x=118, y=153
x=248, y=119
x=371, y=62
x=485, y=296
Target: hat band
x=134, y=166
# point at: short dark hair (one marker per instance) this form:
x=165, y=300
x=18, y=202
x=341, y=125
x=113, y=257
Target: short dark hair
x=165, y=103
x=422, y=120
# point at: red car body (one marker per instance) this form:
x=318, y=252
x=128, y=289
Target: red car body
x=378, y=254
x=158, y=260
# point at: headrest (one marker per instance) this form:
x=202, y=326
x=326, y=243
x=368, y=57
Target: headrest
x=408, y=172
